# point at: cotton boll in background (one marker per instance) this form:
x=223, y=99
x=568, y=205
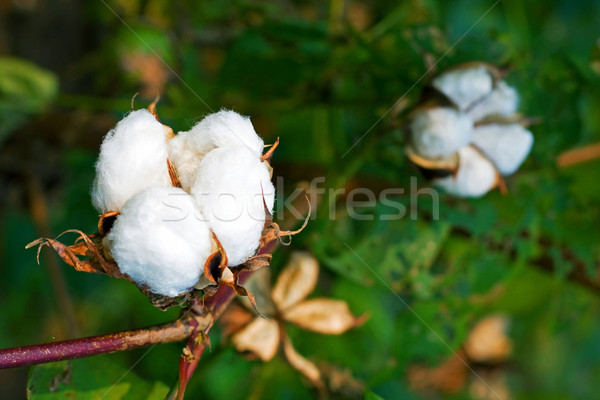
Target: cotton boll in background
x=221, y=129
x=502, y=101
x=229, y=190
x=133, y=156
x=161, y=241
x=506, y=145
x=464, y=86
x=475, y=177
x=440, y=132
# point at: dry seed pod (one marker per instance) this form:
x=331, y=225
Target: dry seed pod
x=475, y=176
x=440, y=131
x=133, y=156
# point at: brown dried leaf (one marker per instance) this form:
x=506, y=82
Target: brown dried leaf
x=234, y=319
x=66, y=253
x=85, y=246
x=303, y=365
x=328, y=316
x=296, y=281
x=449, y=377
x=488, y=342
x=260, y=338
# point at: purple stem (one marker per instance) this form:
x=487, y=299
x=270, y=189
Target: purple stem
x=68, y=349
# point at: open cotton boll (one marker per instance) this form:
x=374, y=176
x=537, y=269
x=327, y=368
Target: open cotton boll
x=503, y=100
x=161, y=241
x=465, y=85
x=506, y=145
x=229, y=190
x=440, y=132
x=475, y=177
x=221, y=129
x=133, y=156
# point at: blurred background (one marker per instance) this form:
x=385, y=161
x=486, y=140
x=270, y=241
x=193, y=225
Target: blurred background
x=509, y=283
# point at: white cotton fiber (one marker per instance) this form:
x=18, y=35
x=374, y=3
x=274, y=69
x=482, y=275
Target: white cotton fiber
x=440, y=132
x=475, y=176
x=464, y=86
x=161, y=241
x=502, y=101
x=229, y=190
x=221, y=129
x=133, y=156
x=506, y=145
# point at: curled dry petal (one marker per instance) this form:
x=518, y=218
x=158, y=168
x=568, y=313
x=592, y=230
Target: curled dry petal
x=303, y=365
x=449, y=163
x=260, y=285
x=272, y=231
x=173, y=174
x=260, y=338
x=296, y=281
x=328, y=316
x=267, y=156
x=85, y=246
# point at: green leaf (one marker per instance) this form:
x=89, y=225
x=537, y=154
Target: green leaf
x=90, y=378
x=25, y=89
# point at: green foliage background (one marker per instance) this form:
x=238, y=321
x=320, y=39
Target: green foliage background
x=319, y=75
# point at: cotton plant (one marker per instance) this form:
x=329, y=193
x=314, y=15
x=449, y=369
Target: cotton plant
x=286, y=302
x=179, y=212
x=471, y=144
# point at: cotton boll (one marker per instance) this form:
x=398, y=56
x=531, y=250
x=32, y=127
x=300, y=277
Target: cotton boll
x=439, y=132
x=229, y=190
x=133, y=156
x=221, y=129
x=506, y=145
x=503, y=100
x=161, y=241
x=475, y=177
x=464, y=86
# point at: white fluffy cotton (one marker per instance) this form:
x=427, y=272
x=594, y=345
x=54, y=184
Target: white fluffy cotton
x=464, y=86
x=440, y=132
x=475, y=177
x=160, y=241
x=221, y=129
x=229, y=190
x=133, y=156
x=506, y=145
x=502, y=101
